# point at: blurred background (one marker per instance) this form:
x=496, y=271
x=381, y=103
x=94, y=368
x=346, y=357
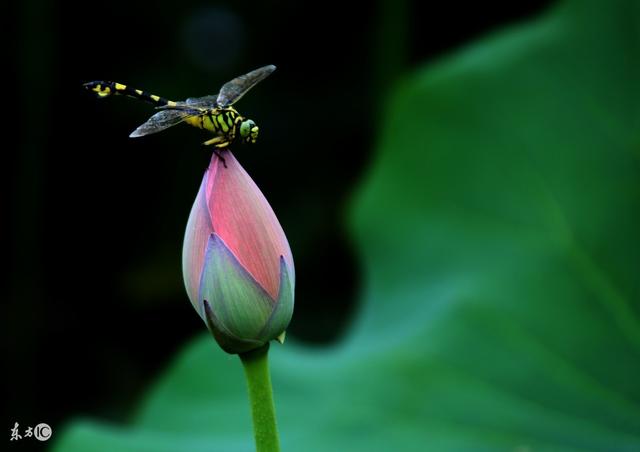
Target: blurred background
x=95, y=306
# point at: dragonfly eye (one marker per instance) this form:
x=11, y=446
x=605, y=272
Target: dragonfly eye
x=249, y=131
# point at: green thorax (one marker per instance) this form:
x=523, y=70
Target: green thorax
x=220, y=121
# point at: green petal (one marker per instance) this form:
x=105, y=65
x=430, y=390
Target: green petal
x=239, y=304
x=281, y=315
x=227, y=341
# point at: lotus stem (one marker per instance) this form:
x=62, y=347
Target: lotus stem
x=256, y=369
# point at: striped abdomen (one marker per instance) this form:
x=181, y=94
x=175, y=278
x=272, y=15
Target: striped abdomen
x=103, y=89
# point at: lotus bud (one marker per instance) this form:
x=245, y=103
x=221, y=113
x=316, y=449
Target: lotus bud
x=236, y=261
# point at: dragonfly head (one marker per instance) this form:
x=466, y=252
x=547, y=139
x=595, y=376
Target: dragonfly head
x=248, y=131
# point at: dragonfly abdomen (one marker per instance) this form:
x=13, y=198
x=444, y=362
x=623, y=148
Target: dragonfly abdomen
x=104, y=89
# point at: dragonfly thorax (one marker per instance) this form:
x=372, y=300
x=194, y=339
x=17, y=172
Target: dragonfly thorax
x=227, y=124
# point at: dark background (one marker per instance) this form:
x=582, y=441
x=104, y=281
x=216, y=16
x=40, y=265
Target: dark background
x=95, y=304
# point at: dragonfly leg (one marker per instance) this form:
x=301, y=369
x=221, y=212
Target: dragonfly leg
x=217, y=141
x=224, y=162
x=214, y=140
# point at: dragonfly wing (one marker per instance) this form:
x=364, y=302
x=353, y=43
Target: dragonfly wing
x=232, y=91
x=162, y=120
x=202, y=102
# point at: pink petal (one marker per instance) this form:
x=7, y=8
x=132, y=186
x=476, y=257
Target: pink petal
x=242, y=217
x=196, y=237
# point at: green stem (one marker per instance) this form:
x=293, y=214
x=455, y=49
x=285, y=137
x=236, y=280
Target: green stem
x=263, y=412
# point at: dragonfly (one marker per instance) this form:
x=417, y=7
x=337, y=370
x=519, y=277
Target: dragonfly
x=213, y=113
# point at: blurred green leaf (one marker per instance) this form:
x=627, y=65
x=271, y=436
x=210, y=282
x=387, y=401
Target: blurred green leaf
x=498, y=230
